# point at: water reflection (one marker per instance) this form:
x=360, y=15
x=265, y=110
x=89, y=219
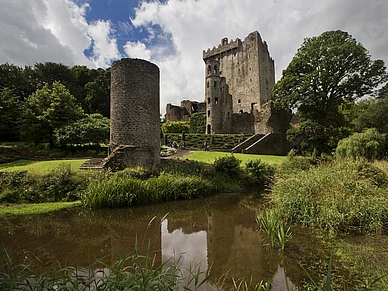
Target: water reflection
x=216, y=233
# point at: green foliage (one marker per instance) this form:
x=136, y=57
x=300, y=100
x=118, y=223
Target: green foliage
x=93, y=128
x=10, y=113
x=229, y=165
x=97, y=98
x=375, y=115
x=61, y=184
x=124, y=190
x=369, y=144
x=175, y=127
x=198, y=123
x=342, y=196
x=262, y=172
x=277, y=232
x=326, y=72
x=46, y=110
x=132, y=272
x=166, y=151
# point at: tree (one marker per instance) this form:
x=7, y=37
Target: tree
x=93, y=128
x=48, y=109
x=98, y=93
x=375, y=115
x=368, y=144
x=326, y=72
x=10, y=112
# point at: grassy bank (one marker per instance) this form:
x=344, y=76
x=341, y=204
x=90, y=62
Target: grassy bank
x=26, y=209
x=341, y=196
x=41, y=167
x=210, y=157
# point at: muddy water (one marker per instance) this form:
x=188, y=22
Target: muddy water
x=218, y=233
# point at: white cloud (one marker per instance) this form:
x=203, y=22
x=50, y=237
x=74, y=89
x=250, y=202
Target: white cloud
x=105, y=45
x=196, y=25
x=53, y=30
x=137, y=50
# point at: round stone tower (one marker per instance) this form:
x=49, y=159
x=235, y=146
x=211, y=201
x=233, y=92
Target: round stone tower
x=134, y=114
x=218, y=100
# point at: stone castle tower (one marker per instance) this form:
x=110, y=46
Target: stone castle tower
x=218, y=100
x=135, y=120
x=246, y=71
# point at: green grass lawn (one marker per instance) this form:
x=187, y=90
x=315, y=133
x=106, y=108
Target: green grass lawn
x=209, y=157
x=40, y=167
x=24, y=209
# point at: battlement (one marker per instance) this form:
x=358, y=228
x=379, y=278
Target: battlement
x=224, y=46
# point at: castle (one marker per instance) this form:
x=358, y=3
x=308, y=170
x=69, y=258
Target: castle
x=239, y=79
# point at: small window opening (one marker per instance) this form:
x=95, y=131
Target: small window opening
x=215, y=84
x=209, y=69
x=228, y=115
x=239, y=101
x=216, y=100
x=208, y=100
x=207, y=84
x=215, y=69
x=208, y=113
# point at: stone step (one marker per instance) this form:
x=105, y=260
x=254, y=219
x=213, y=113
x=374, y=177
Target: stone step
x=93, y=164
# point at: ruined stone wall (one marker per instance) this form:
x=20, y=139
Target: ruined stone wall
x=135, y=122
x=176, y=113
x=248, y=69
x=270, y=119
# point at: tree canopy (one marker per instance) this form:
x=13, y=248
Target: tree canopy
x=327, y=72
x=48, y=109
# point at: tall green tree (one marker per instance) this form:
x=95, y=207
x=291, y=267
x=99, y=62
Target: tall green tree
x=326, y=72
x=10, y=112
x=98, y=93
x=48, y=109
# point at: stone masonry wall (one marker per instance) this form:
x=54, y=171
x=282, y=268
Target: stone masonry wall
x=135, y=120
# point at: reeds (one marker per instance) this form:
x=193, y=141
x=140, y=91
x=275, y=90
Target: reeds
x=133, y=272
x=342, y=196
x=273, y=226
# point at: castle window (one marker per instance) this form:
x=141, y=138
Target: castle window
x=222, y=89
x=215, y=69
x=241, y=111
x=208, y=113
x=215, y=84
x=216, y=100
x=207, y=84
x=208, y=100
x=228, y=115
x=209, y=69
x=239, y=101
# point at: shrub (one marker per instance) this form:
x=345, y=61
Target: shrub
x=166, y=151
x=229, y=165
x=369, y=144
x=198, y=123
x=261, y=171
x=175, y=127
x=59, y=185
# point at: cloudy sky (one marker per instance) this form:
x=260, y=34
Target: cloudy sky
x=173, y=33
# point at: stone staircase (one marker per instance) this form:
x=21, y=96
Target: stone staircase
x=93, y=164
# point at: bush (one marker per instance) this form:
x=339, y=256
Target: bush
x=198, y=123
x=261, y=171
x=59, y=185
x=229, y=165
x=369, y=144
x=175, y=127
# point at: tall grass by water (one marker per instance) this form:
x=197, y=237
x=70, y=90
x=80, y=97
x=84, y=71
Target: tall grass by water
x=342, y=196
x=133, y=272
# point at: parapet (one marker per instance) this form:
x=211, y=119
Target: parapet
x=224, y=46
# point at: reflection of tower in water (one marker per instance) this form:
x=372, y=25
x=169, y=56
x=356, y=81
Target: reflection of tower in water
x=235, y=247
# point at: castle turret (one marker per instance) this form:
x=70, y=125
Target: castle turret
x=218, y=100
